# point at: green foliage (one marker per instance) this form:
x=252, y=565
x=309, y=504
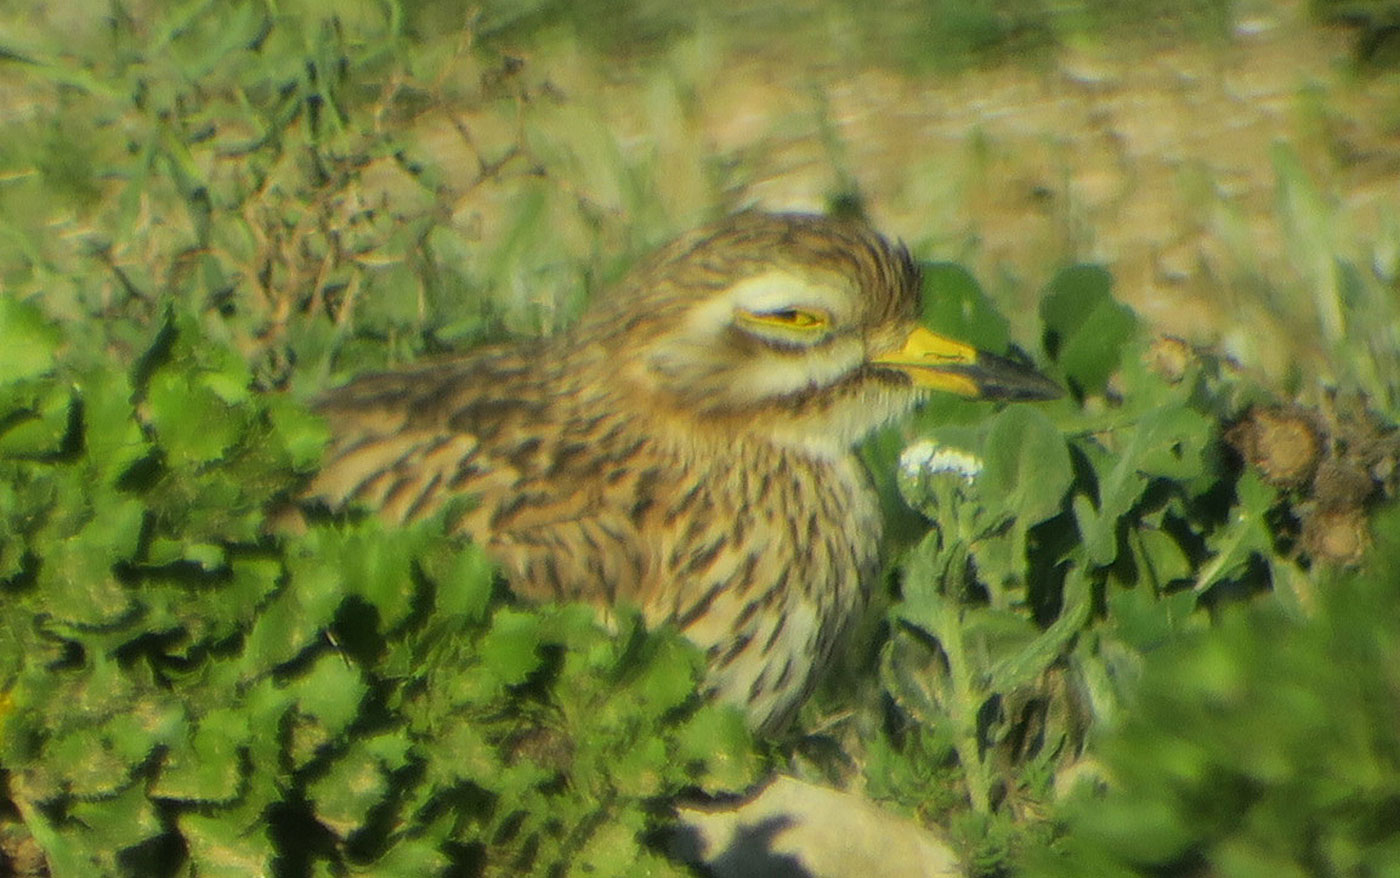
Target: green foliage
x=206, y=204
x=1267, y=745
x=1343, y=295
x=1375, y=23
x=252, y=200
x=1086, y=329
x=185, y=692
x=1068, y=541
x=280, y=169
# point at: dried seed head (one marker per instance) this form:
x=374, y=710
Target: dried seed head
x=1284, y=444
x=1169, y=356
x=1336, y=536
x=1341, y=485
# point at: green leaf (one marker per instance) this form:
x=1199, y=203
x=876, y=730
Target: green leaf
x=1098, y=530
x=76, y=574
x=301, y=432
x=1021, y=660
x=670, y=675
x=1170, y=442
x=113, y=825
x=637, y=770
x=1244, y=535
x=207, y=765
x=295, y=619
x=411, y=858
x=717, y=742
x=1027, y=463
x=1087, y=328
x=1161, y=556
x=42, y=429
x=112, y=436
x=997, y=636
x=193, y=423
x=1146, y=621
x=613, y=849
x=464, y=582
x=221, y=846
x=356, y=782
x=460, y=752
x=28, y=341
x=90, y=762
x=955, y=304
x=145, y=724
x=168, y=551
x=331, y=691
x=510, y=648
x=374, y=562
x=379, y=568
x=923, y=604
x=912, y=674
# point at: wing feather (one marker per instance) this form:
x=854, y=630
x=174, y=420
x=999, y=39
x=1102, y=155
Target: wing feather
x=403, y=442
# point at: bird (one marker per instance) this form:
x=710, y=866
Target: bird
x=687, y=447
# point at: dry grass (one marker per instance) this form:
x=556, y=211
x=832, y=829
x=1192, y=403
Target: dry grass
x=1217, y=180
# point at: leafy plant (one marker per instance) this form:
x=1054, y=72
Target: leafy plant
x=1067, y=542
x=211, y=210
x=1264, y=745
x=186, y=692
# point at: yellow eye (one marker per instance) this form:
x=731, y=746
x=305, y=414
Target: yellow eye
x=784, y=319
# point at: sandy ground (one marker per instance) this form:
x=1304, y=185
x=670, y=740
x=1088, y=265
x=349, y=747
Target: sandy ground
x=1161, y=163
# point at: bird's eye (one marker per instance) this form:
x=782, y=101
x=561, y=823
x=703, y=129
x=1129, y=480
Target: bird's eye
x=784, y=319
x=793, y=317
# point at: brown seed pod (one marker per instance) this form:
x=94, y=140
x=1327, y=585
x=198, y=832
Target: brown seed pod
x=1340, y=484
x=1284, y=444
x=1169, y=357
x=1336, y=536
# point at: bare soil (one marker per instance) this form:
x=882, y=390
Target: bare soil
x=1160, y=162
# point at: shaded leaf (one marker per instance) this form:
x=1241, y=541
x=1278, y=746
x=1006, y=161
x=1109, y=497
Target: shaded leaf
x=1088, y=330
x=954, y=304
x=1027, y=464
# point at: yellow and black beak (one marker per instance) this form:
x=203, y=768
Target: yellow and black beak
x=940, y=363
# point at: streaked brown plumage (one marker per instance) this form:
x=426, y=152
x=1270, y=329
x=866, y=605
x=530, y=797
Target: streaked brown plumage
x=687, y=447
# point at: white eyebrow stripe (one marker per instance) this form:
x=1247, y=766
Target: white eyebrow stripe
x=780, y=290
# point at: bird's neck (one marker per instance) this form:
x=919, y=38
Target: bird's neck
x=602, y=386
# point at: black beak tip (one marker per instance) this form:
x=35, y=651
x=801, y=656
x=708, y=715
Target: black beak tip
x=1003, y=378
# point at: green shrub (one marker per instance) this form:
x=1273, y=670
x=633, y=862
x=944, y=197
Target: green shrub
x=1267, y=745
x=189, y=692
x=210, y=211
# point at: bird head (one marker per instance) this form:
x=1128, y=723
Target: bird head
x=805, y=327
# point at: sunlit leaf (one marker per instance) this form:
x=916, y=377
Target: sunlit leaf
x=357, y=781
x=224, y=847
x=717, y=739
x=28, y=341
x=207, y=765
x=510, y=648
x=193, y=424
x=330, y=691
x=295, y=619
